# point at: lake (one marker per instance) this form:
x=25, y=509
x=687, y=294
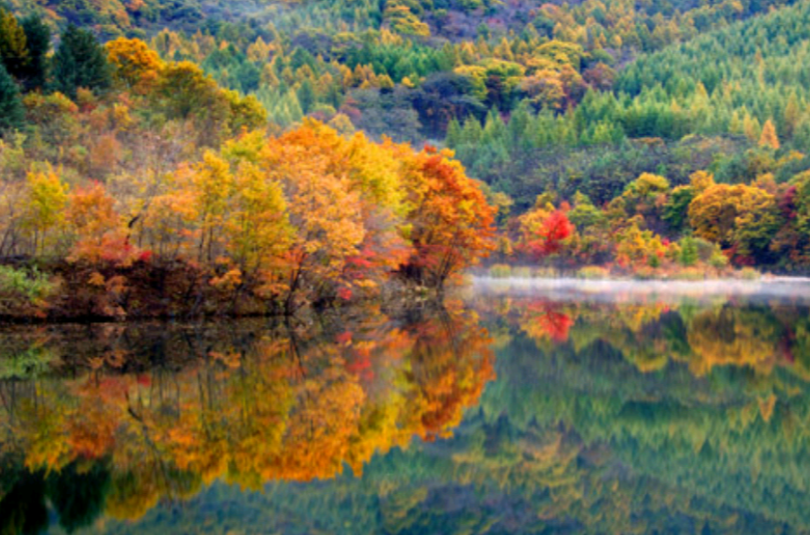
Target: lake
x=516, y=407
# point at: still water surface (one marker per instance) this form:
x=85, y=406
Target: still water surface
x=514, y=410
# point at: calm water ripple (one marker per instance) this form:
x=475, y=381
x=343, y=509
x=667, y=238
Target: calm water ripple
x=545, y=409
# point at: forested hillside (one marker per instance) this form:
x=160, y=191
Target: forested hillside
x=725, y=87
x=659, y=139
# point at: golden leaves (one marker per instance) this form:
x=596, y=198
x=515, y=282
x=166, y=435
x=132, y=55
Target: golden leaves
x=282, y=407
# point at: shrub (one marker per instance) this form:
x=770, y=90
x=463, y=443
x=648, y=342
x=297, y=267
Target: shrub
x=544, y=273
x=689, y=251
x=748, y=274
x=718, y=260
x=500, y=271
x=673, y=253
x=645, y=273
x=21, y=288
x=705, y=249
x=593, y=273
x=522, y=272
x=690, y=274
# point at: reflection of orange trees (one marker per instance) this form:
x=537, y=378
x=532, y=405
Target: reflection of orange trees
x=450, y=363
x=731, y=336
x=250, y=410
x=546, y=320
x=322, y=428
x=44, y=439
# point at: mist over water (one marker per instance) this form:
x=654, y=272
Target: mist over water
x=792, y=289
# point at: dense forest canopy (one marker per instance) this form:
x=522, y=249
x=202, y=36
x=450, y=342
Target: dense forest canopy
x=188, y=158
x=211, y=139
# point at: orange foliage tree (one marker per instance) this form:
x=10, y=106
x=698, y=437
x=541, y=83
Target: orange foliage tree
x=307, y=216
x=449, y=222
x=99, y=231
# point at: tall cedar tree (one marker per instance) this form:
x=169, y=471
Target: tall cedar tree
x=12, y=113
x=80, y=61
x=38, y=41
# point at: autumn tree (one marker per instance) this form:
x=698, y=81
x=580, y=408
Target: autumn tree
x=257, y=232
x=646, y=188
x=183, y=88
x=450, y=223
x=13, y=45
x=324, y=209
x=134, y=64
x=555, y=229
x=183, y=91
x=44, y=207
x=739, y=216
x=637, y=247
x=544, y=229
x=769, y=137
x=245, y=113
x=98, y=230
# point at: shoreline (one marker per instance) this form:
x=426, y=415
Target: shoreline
x=559, y=289
x=394, y=305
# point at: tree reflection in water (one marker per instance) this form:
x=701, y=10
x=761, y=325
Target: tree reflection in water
x=609, y=416
x=159, y=413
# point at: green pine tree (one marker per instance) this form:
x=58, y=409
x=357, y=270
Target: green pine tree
x=80, y=61
x=471, y=132
x=12, y=113
x=453, y=137
x=306, y=96
x=38, y=39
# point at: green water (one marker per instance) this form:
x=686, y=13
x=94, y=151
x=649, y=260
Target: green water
x=505, y=412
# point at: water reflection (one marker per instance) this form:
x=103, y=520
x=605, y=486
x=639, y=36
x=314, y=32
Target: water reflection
x=683, y=416
x=622, y=415
x=144, y=413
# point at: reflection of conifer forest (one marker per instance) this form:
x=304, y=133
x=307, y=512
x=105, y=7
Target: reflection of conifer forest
x=621, y=416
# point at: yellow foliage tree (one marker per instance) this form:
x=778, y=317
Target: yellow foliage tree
x=769, y=137
x=135, y=65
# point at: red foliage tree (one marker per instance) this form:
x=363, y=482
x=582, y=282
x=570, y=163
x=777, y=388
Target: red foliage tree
x=553, y=230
